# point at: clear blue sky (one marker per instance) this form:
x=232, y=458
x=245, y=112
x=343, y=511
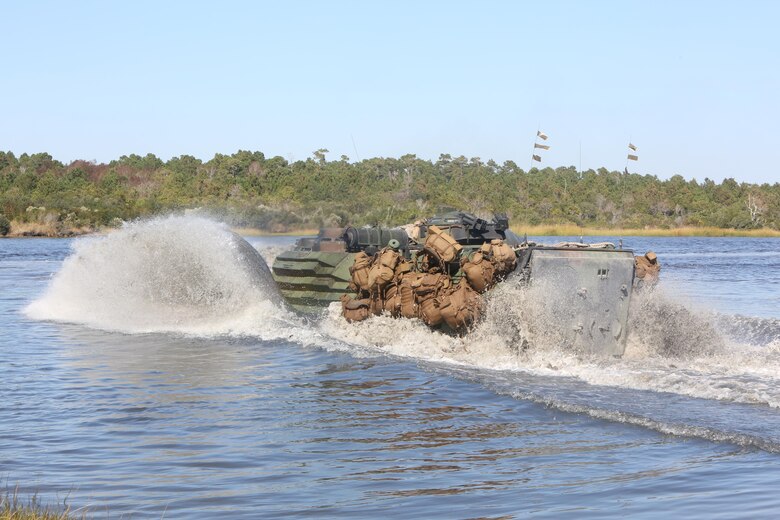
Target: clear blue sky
x=695, y=85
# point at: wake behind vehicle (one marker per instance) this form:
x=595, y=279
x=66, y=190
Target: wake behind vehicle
x=440, y=270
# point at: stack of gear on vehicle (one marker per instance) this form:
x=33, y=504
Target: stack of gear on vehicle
x=440, y=285
x=647, y=269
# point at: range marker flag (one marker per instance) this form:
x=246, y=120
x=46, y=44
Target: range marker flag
x=632, y=146
x=542, y=146
x=541, y=135
x=536, y=158
x=633, y=157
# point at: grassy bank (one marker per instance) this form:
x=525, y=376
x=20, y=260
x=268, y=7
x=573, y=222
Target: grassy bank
x=572, y=230
x=254, y=232
x=38, y=229
x=690, y=231
x=12, y=507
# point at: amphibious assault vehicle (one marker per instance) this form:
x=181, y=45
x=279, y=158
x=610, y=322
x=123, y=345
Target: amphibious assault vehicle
x=585, y=289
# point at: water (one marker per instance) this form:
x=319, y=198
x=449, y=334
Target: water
x=155, y=373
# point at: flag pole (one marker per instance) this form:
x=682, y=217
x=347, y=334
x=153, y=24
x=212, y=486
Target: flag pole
x=357, y=155
x=625, y=168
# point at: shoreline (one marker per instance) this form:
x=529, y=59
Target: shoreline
x=32, y=230
x=559, y=230
x=256, y=232
x=39, y=230
x=687, y=231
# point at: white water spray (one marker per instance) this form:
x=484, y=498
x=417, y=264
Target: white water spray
x=670, y=348
x=180, y=274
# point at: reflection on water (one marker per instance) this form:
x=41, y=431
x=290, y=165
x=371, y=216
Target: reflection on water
x=158, y=359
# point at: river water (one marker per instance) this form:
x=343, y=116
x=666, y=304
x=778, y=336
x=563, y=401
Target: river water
x=151, y=374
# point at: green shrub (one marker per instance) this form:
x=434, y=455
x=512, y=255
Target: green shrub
x=5, y=225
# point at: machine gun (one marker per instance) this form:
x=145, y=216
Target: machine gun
x=468, y=229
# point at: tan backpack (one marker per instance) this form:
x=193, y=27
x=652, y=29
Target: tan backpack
x=504, y=257
x=360, y=269
x=429, y=285
x=461, y=307
x=408, y=306
x=389, y=258
x=430, y=312
x=379, y=276
x=479, y=272
x=426, y=288
x=647, y=266
x=355, y=310
x=401, y=269
x=376, y=304
x=441, y=245
x=392, y=301
x=391, y=291
x=382, y=271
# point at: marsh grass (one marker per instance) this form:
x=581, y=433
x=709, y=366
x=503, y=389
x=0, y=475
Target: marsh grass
x=690, y=231
x=38, y=229
x=13, y=507
x=569, y=230
x=254, y=232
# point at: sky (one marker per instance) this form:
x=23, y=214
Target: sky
x=693, y=84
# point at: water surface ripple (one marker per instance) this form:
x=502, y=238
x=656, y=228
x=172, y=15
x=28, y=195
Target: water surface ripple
x=306, y=419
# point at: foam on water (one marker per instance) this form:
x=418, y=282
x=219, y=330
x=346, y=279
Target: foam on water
x=678, y=373
x=670, y=348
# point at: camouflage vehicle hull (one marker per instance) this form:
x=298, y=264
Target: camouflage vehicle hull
x=311, y=280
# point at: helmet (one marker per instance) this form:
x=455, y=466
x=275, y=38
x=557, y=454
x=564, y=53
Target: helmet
x=393, y=244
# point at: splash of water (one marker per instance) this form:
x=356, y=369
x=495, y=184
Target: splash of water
x=681, y=373
x=671, y=348
x=181, y=274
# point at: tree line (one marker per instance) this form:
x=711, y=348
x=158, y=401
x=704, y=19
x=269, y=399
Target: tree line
x=271, y=193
